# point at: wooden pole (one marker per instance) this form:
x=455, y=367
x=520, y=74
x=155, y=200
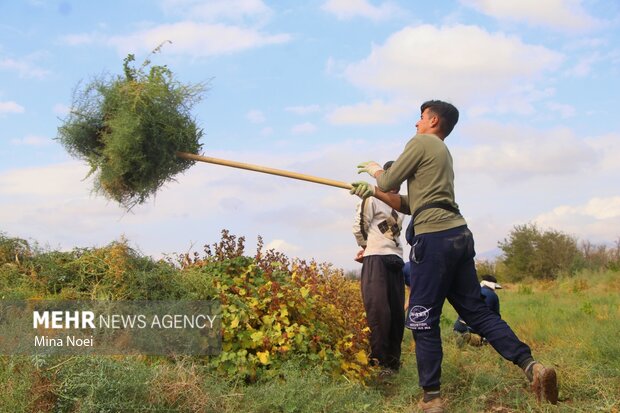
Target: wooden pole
x=264, y=169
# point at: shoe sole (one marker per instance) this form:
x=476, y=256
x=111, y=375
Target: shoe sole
x=545, y=386
x=435, y=409
x=431, y=409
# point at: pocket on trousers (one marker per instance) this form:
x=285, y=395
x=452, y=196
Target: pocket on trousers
x=417, y=251
x=392, y=262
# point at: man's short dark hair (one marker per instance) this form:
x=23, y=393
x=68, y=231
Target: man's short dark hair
x=447, y=113
x=489, y=277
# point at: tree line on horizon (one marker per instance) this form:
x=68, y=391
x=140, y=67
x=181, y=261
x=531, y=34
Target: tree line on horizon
x=530, y=252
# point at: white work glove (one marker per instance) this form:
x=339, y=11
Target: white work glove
x=362, y=189
x=371, y=167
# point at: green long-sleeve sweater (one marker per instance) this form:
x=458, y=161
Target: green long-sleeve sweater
x=426, y=165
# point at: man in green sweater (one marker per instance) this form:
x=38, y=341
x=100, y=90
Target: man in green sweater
x=442, y=256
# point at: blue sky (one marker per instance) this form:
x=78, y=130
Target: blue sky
x=318, y=87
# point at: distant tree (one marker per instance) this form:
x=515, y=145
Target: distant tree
x=600, y=256
x=485, y=267
x=352, y=274
x=13, y=250
x=615, y=256
x=595, y=256
x=531, y=252
x=518, y=249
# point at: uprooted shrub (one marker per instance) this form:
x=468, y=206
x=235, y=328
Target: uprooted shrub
x=128, y=128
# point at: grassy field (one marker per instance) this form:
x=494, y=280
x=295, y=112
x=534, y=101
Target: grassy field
x=572, y=324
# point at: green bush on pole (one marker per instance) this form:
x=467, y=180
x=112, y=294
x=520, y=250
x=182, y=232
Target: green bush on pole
x=128, y=128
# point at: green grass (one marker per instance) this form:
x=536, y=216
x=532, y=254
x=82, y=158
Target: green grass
x=572, y=324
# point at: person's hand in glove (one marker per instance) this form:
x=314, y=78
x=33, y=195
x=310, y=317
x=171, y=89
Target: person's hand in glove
x=370, y=167
x=362, y=189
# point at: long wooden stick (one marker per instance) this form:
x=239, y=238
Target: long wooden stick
x=264, y=169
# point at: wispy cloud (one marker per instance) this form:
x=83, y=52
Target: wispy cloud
x=24, y=67
x=598, y=218
x=584, y=65
x=303, y=110
x=187, y=37
x=348, y=9
x=32, y=140
x=61, y=109
x=375, y=112
x=207, y=29
x=517, y=153
x=11, y=107
x=564, y=15
x=566, y=111
x=303, y=128
x=218, y=10
x=255, y=116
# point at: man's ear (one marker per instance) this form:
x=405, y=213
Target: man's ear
x=434, y=121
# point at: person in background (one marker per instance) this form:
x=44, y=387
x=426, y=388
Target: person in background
x=377, y=229
x=466, y=334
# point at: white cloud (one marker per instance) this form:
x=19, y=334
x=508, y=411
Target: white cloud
x=348, y=9
x=25, y=67
x=487, y=72
x=195, y=39
x=587, y=43
x=370, y=113
x=566, y=111
x=518, y=99
x=11, y=107
x=303, y=128
x=518, y=153
x=584, y=65
x=32, y=140
x=61, y=109
x=564, y=15
x=61, y=180
x=80, y=39
x=217, y=10
x=457, y=62
x=282, y=246
x=255, y=116
x=303, y=110
x=608, y=149
x=596, y=220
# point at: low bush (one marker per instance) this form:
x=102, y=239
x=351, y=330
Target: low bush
x=273, y=310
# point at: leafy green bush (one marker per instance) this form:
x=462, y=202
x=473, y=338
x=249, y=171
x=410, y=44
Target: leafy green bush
x=273, y=310
x=129, y=127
